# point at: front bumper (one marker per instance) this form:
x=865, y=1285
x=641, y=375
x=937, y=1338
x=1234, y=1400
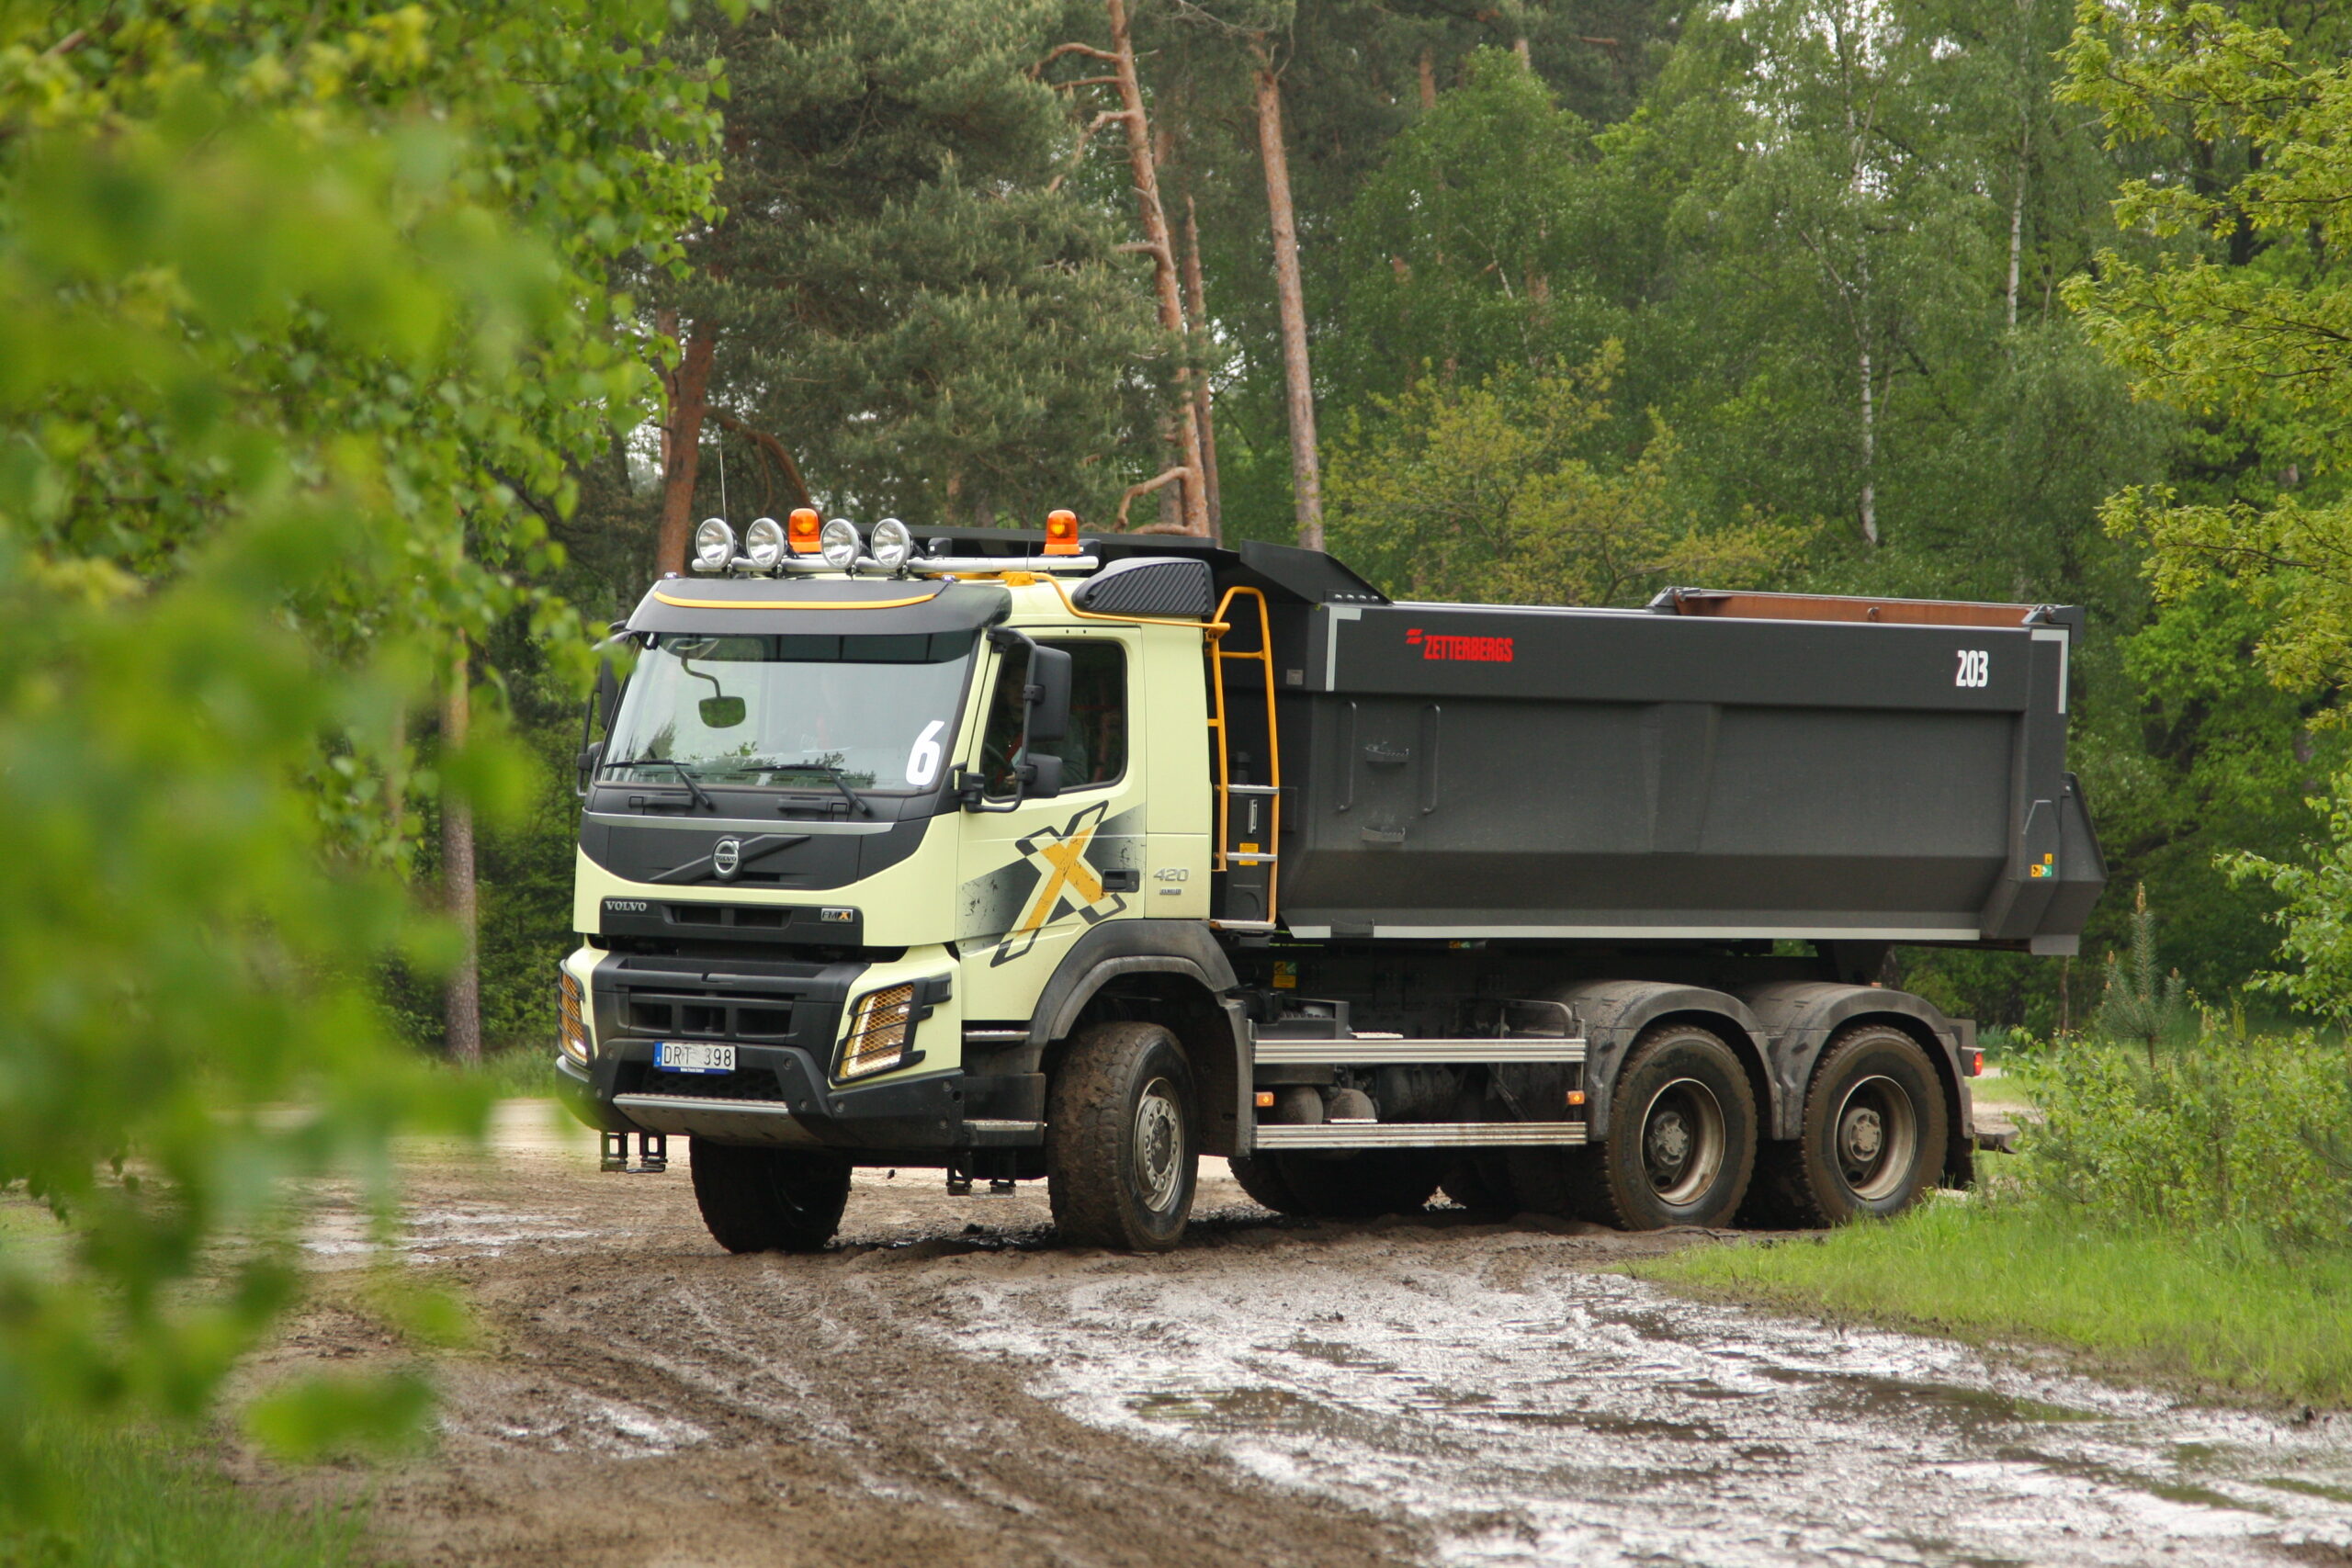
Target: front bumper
x=778, y=1095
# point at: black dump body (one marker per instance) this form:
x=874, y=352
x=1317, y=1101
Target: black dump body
x=1714, y=768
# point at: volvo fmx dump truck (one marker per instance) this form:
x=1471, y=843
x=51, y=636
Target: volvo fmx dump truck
x=1039, y=856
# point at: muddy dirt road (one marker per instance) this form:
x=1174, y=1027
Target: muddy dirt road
x=952, y=1387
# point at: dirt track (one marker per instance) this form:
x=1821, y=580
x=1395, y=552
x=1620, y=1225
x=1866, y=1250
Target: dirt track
x=950, y=1386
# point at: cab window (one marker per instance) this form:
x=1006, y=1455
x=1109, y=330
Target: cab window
x=1095, y=752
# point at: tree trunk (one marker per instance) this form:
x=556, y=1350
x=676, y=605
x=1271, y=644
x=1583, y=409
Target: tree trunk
x=1428, y=77
x=1870, y=454
x=1307, y=478
x=1159, y=244
x=1196, y=310
x=461, y=1002
x=2017, y=212
x=688, y=387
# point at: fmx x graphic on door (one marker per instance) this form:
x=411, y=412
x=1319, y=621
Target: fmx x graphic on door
x=1082, y=870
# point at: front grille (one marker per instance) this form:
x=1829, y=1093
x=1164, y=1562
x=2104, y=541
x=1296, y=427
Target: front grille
x=752, y=1083
x=755, y=1000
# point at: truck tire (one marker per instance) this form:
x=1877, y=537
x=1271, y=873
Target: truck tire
x=764, y=1200
x=1682, y=1144
x=1363, y=1185
x=1874, y=1134
x=1261, y=1177
x=1122, y=1145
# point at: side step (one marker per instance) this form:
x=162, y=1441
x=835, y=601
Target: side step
x=1414, y=1134
x=1380, y=1051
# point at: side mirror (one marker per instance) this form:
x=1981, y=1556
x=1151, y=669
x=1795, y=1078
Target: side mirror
x=1041, y=777
x=1049, y=695
x=590, y=756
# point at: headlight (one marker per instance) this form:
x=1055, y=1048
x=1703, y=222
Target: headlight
x=893, y=544
x=714, y=545
x=572, y=1026
x=763, y=542
x=879, y=1032
x=839, y=544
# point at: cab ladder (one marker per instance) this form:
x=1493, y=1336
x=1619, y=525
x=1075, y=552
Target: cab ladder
x=1249, y=816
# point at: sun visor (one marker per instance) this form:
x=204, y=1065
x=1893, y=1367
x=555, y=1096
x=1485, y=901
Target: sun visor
x=817, y=606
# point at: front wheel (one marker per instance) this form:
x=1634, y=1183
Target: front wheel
x=1121, y=1149
x=1681, y=1144
x=764, y=1200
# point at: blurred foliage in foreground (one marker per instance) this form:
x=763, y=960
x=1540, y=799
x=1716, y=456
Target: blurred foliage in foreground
x=304, y=319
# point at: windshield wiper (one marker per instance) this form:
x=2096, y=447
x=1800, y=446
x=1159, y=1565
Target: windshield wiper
x=686, y=773
x=831, y=773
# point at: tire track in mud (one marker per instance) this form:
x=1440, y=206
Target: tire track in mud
x=951, y=1386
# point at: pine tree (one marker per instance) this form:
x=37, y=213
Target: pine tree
x=903, y=309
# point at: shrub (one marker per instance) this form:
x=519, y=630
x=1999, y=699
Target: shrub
x=2225, y=1134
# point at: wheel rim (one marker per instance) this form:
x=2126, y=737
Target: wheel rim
x=1682, y=1141
x=1159, y=1145
x=1876, y=1135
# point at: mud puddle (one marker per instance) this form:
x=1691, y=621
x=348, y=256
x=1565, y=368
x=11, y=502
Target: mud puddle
x=951, y=1385
x=1532, y=1412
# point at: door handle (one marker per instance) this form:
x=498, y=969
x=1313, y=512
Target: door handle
x=1127, y=880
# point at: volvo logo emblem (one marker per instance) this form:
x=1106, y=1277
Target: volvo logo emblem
x=726, y=856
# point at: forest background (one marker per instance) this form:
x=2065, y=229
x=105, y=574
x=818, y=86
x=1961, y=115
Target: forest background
x=359, y=362
x=1594, y=296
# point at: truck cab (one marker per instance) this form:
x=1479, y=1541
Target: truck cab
x=965, y=851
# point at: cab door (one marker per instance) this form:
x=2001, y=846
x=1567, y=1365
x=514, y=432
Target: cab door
x=1037, y=877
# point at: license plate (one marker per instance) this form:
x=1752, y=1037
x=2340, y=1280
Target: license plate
x=691, y=1056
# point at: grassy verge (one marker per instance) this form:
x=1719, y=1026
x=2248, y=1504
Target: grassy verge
x=2214, y=1311
x=136, y=1502
x=520, y=1073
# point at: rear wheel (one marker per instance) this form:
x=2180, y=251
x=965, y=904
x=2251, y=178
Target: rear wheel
x=769, y=1200
x=1121, y=1149
x=1875, y=1132
x=1682, y=1144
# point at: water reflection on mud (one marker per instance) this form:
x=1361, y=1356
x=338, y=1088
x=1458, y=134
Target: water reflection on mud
x=1529, y=1413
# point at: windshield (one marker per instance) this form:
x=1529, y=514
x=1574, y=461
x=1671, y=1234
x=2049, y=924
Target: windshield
x=793, y=712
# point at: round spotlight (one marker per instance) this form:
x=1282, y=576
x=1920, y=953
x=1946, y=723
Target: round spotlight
x=893, y=544
x=714, y=545
x=763, y=542
x=839, y=543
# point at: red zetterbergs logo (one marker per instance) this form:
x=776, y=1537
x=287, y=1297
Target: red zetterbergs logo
x=1466, y=649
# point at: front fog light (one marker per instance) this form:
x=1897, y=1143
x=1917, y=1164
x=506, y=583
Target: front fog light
x=572, y=1027
x=764, y=543
x=893, y=544
x=839, y=544
x=714, y=545
x=879, y=1032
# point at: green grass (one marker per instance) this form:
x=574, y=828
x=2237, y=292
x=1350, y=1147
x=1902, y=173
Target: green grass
x=120, y=1501
x=523, y=1072
x=2215, y=1313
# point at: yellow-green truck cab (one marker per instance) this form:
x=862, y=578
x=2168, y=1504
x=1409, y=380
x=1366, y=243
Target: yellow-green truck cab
x=1028, y=855
x=831, y=908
